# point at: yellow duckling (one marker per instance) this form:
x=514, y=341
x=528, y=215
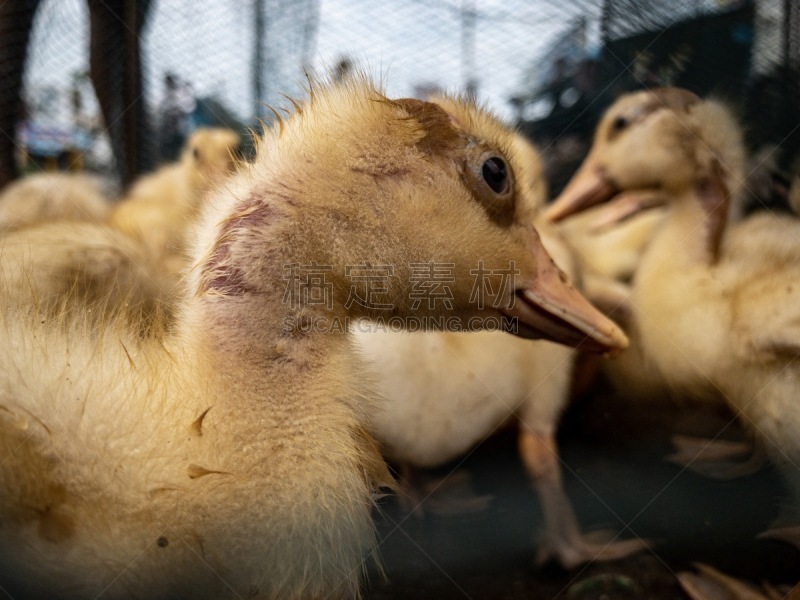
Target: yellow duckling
x=231, y=457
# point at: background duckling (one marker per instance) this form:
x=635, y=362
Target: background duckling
x=447, y=392
x=231, y=456
x=91, y=267
x=608, y=259
x=611, y=252
x=160, y=208
x=54, y=197
x=716, y=303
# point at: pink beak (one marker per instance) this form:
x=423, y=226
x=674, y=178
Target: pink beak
x=550, y=308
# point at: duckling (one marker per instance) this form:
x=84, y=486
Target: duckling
x=53, y=196
x=54, y=266
x=446, y=392
x=715, y=302
x=160, y=208
x=608, y=259
x=230, y=456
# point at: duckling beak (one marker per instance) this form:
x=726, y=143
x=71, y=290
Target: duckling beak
x=550, y=308
x=624, y=206
x=588, y=187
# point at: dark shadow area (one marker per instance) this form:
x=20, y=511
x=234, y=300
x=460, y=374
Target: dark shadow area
x=615, y=475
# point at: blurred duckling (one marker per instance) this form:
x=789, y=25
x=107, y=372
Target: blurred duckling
x=447, y=392
x=231, y=457
x=90, y=267
x=611, y=252
x=608, y=259
x=45, y=197
x=716, y=303
x=160, y=208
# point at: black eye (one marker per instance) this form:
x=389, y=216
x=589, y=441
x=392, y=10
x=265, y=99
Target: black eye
x=495, y=174
x=196, y=153
x=619, y=123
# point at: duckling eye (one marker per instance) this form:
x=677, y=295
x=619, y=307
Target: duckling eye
x=619, y=124
x=490, y=178
x=196, y=153
x=495, y=174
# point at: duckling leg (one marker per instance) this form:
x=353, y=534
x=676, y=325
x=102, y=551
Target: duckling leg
x=787, y=533
x=717, y=458
x=562, y=539
x=710, y=584
x=446, y=496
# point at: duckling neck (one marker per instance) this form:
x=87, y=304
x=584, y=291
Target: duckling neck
x=263, y=333
x=292, y=411
x=676, y=295
x=691, y=234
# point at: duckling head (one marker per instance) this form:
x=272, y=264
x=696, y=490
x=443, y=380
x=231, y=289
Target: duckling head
x=429, y=202
x=209, y=155
x=655, y=146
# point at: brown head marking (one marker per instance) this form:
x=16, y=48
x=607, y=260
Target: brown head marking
x=441, y=134
x=715, y=199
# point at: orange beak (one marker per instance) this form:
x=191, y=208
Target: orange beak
x=588, y=187
x=549, y=308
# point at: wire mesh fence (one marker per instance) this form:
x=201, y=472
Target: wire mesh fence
x=173, y=65
x=116, y=86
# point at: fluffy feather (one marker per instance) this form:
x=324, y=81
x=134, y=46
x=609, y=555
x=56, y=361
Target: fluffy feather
x=53, y=197
x=90, y=267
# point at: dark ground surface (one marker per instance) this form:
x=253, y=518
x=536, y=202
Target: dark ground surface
x=615, y=476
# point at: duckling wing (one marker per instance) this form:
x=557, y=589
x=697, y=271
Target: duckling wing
x=767, y=315
x=762, y=279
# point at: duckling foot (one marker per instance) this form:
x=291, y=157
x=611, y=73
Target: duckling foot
x=718, y=459
x=562, y=539
x=571, y=548
x=789, y=534
x=710, y=584
x=448, y=496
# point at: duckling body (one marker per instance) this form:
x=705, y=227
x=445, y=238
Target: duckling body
x=52, y=266
x=53, y=197
x=447, y=392
x=230, y=456
x=92, y=508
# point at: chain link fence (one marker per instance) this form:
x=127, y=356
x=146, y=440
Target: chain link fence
x=552, y=67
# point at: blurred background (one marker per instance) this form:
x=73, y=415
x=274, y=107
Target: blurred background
x=115, y=86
